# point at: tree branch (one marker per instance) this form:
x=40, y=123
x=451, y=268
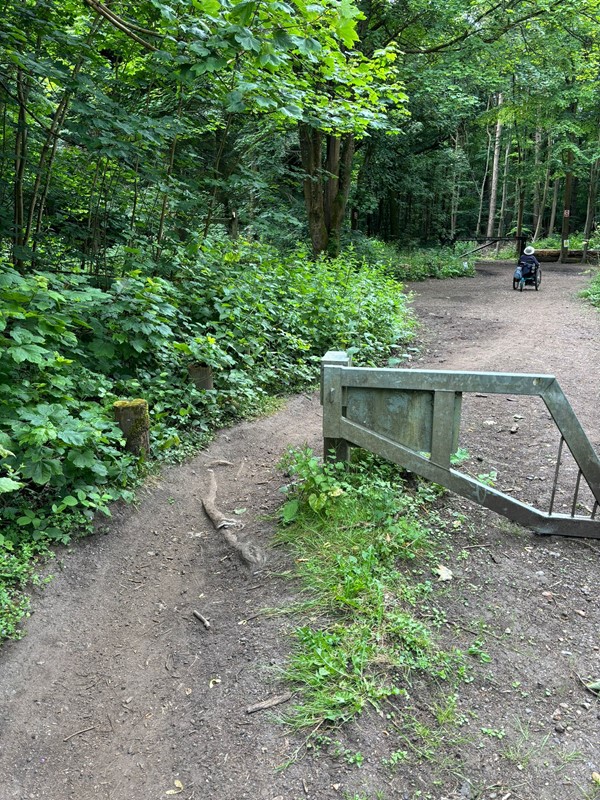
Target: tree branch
x=119, y=23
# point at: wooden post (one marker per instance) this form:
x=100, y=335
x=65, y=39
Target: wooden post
x=133, y=419
x=201, y=376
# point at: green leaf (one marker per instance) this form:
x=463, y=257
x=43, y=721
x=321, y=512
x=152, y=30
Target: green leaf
x=41, y=471
x=9, y=485
x=244, y=11
x=29, y=352
x=70, y=436
x=210, y=7
x=289, y=512
x=83, y=458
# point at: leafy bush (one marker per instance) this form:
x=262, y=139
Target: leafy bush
x=69, y=350
x=592, y=292
x=417, y=264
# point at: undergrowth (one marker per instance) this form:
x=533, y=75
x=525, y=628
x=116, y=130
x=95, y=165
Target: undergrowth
x=592, y=292
x=362, y=547
x=417, y=264
x=69, y=350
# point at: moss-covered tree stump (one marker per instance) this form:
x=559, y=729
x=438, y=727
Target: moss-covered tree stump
x=133, y=419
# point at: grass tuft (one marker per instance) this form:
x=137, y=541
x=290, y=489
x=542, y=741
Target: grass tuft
x=357, y=534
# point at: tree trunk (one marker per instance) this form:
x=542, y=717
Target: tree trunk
x=310, y=151
x=20, y=162
x=495, y=174
x=338, y=190
x=591, y=206
x=455, y=196
x=520, y=196
x=48, y=151
x=485, y=177
x=326, y=187
x=540, y=220
x=552, y=222
x=536, y=185
x=566, y=218
x=502, y=214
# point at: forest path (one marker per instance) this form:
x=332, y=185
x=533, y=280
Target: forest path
x=118, y=690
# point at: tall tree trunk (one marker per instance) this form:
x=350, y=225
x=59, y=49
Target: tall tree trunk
x=520, y=197
x=495, y=173
x=326, y=186
x=20, y=162
x=591, y=205
x=566, y=218
x=48, y=151
x=455, y=196
x=500, y=230
x=481, y=189
x=311, y=141
x=337, y=198
x=537, y=152
x=540, y=220
x=552, y=222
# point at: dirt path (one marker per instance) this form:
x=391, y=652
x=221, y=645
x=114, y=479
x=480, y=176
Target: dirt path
x=119, y=691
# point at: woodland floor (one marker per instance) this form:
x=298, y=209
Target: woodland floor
x=119, y=691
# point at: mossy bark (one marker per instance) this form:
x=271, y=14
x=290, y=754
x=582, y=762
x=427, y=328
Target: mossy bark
x=133, y=419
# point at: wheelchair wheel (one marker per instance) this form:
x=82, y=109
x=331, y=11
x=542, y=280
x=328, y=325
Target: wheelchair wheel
x=515, y=283
x=538, y=279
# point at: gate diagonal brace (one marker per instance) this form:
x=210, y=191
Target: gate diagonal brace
x=412, y=418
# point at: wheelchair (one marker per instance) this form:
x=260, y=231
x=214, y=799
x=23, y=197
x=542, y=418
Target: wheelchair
x=527, y=274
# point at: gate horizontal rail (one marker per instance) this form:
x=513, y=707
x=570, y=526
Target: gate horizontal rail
x=412, y=418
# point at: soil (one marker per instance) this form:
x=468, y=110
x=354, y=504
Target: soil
x=119, y=691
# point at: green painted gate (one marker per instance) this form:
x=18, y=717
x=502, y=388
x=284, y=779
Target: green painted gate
x=412, y=418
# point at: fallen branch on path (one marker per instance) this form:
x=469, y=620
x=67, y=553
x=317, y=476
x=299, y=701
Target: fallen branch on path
x=249, y=552
x=270, y=703
x=83, y=730
x=202, y=619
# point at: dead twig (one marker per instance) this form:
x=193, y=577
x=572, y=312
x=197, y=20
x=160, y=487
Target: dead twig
x=83, y=730
x=270, y=703
x=595, y=692
x=202, y=619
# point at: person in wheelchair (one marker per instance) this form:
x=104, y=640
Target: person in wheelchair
x=528, y=271
x=528, y=263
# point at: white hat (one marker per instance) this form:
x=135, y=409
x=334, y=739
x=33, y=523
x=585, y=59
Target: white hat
x=529, y=251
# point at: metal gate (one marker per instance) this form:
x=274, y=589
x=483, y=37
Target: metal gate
x=412, y=417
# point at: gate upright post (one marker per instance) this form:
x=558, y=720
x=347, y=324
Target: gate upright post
x=334, y=447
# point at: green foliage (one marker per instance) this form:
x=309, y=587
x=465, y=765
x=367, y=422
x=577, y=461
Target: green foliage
x=351, y=529
x=439, y=263
x=592, y=292
x=69, y=350
x=415, y=265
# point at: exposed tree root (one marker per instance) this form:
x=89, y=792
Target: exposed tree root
x=250, y=553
